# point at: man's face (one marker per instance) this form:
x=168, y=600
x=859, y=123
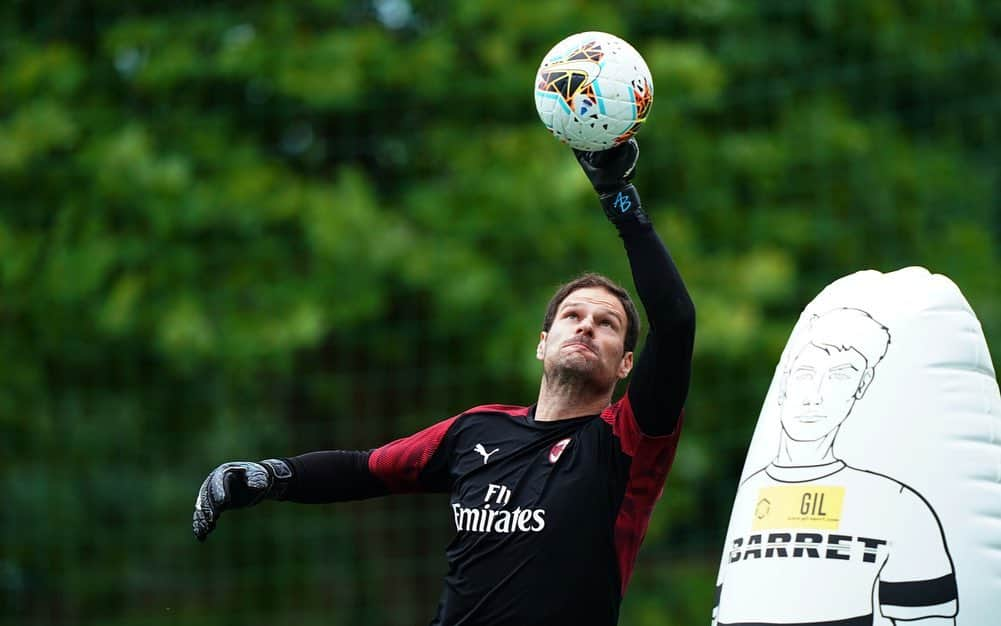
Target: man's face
x=821, y=390
x=585, y=343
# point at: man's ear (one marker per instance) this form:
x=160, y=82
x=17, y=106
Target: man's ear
x=865, y=382
x=540, y=350
x=783, y=387
x=625, y=365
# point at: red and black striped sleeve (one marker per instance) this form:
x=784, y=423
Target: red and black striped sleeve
x=416, y=463
x=650, y=461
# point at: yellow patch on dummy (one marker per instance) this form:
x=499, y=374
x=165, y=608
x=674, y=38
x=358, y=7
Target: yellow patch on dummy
x=798, y=506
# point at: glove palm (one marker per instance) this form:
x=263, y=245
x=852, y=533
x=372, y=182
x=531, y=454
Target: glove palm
x=612, y=169
x=235, y=485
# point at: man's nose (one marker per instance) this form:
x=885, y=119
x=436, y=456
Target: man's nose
x=815, y=393
x=585, y=326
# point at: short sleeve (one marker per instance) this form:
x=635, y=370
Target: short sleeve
x=918, y=579
x=415, y=463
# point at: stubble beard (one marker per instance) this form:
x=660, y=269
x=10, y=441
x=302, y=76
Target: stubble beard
x=570, y=376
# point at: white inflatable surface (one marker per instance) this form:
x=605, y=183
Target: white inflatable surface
x=871, y=493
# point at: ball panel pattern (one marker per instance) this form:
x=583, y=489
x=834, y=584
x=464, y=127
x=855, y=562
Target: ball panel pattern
x=593, y=91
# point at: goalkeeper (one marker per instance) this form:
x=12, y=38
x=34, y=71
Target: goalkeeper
x=550, y=501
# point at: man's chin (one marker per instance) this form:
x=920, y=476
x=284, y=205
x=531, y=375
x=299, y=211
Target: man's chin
x=577, y=372
x=803, y=433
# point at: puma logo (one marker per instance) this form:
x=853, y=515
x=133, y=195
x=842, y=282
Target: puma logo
x=483, y=452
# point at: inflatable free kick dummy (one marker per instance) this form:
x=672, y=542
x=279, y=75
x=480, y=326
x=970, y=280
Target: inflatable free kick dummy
x=871, y=494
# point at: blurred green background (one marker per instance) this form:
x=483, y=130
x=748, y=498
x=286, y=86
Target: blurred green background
x=249, y=229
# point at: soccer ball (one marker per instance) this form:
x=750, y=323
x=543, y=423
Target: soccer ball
x=593, y=90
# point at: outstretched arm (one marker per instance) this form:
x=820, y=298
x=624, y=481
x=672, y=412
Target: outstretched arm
x=414, y=463
x=661, y=375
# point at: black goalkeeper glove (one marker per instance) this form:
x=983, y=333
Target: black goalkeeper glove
x=610, y=172
x=236, y=485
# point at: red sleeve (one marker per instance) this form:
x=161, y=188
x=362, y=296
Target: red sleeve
x=651, y=459
x=401, y=465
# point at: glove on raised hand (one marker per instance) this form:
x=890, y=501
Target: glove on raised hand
x=610, y=172
x=235, y=485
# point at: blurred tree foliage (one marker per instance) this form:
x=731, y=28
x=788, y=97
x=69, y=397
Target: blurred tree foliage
x=246, y=229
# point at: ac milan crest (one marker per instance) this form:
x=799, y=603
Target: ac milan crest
x=557, y=449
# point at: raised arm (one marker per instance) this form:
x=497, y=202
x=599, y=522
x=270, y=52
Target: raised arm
x=660, y=378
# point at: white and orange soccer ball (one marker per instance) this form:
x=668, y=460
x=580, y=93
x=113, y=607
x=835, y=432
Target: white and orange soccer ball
x=593, y=91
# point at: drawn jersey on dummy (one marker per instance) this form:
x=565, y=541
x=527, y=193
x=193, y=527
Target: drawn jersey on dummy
x=806, y=522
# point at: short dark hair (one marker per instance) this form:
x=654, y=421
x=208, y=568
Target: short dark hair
x=589, y=280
